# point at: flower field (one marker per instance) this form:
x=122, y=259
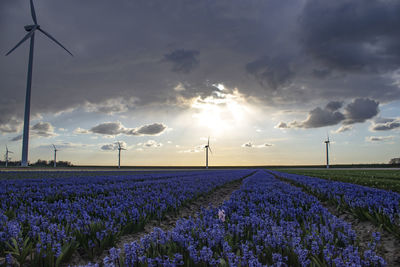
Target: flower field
x=376, y=205
x=44, y=221
x=265, y=223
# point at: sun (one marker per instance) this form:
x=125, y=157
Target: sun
x=222, y=111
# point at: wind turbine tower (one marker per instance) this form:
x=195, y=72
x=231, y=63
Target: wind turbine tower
x=7, y=158
x=31, y=29
x=55, y=156
x=327, y=144
x=207, y=147
x=119, y=154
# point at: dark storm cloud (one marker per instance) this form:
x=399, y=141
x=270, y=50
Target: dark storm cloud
x=334, y=105
x=360, y=110
x=183, y=60
x=271, y=72
x=257, y=46
x=353, y=35
x=116, y=128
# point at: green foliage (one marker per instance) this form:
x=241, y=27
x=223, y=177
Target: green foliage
x=383, y=179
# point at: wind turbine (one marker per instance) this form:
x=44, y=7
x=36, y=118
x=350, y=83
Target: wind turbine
x=6, y=156
x=207, y=147
x=119, y=154
x=31, y=29
x=55, y=156
x=328, y=145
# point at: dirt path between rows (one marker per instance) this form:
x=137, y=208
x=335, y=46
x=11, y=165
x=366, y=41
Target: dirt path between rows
x=215, y=199
x=389, y=245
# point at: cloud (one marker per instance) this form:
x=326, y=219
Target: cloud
x=360, y=110
x=334, y=105
x=251, y=145
x=112, y=105
x=320, y=117
x=282, y=125
x=344, y=128
x=114, y=146
x=271, y=72
x=179, y=88
x=43, y=129
x=326, y=54
x=195, y=149
x=352, y=35
x=248, y=144
x=108, y=128
x=151, y=144
x=11, y=125
x=40, y=129
x=79, y=130
x=183, y=60
x=116, y=128
x=379, y=138
x=149, y=129
x=386, y=125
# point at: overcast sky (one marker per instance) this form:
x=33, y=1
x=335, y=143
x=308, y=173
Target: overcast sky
x=266, y=80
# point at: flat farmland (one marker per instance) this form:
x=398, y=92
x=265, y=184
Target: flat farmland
x=242, y=217
x=384, y=179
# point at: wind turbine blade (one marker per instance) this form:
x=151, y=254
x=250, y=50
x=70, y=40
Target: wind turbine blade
x=57, y=42
x=54, y=147
x=210, y=149
x=33, y=13
x=208, y=142
x=27, y=36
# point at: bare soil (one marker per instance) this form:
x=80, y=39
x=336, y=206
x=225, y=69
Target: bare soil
x=214, y=199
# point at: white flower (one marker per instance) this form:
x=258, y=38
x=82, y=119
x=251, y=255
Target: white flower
x=221, y=215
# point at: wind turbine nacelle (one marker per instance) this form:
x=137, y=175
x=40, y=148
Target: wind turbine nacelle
x=28, y=28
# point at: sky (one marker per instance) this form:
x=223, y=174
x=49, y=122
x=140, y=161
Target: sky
x=265, y=80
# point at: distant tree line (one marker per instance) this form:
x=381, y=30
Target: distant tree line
x=395, y=161
x=38, y=163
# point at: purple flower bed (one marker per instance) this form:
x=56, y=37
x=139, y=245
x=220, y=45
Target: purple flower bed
x=265, y=223
x=379, y=206
x=47, y=220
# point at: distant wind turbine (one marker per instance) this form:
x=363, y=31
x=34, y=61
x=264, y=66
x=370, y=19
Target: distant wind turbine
x=207, y=147
x=55, y=156
x=7, y=158
x=119, y=154
x=328, y=145
x=31, y=34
